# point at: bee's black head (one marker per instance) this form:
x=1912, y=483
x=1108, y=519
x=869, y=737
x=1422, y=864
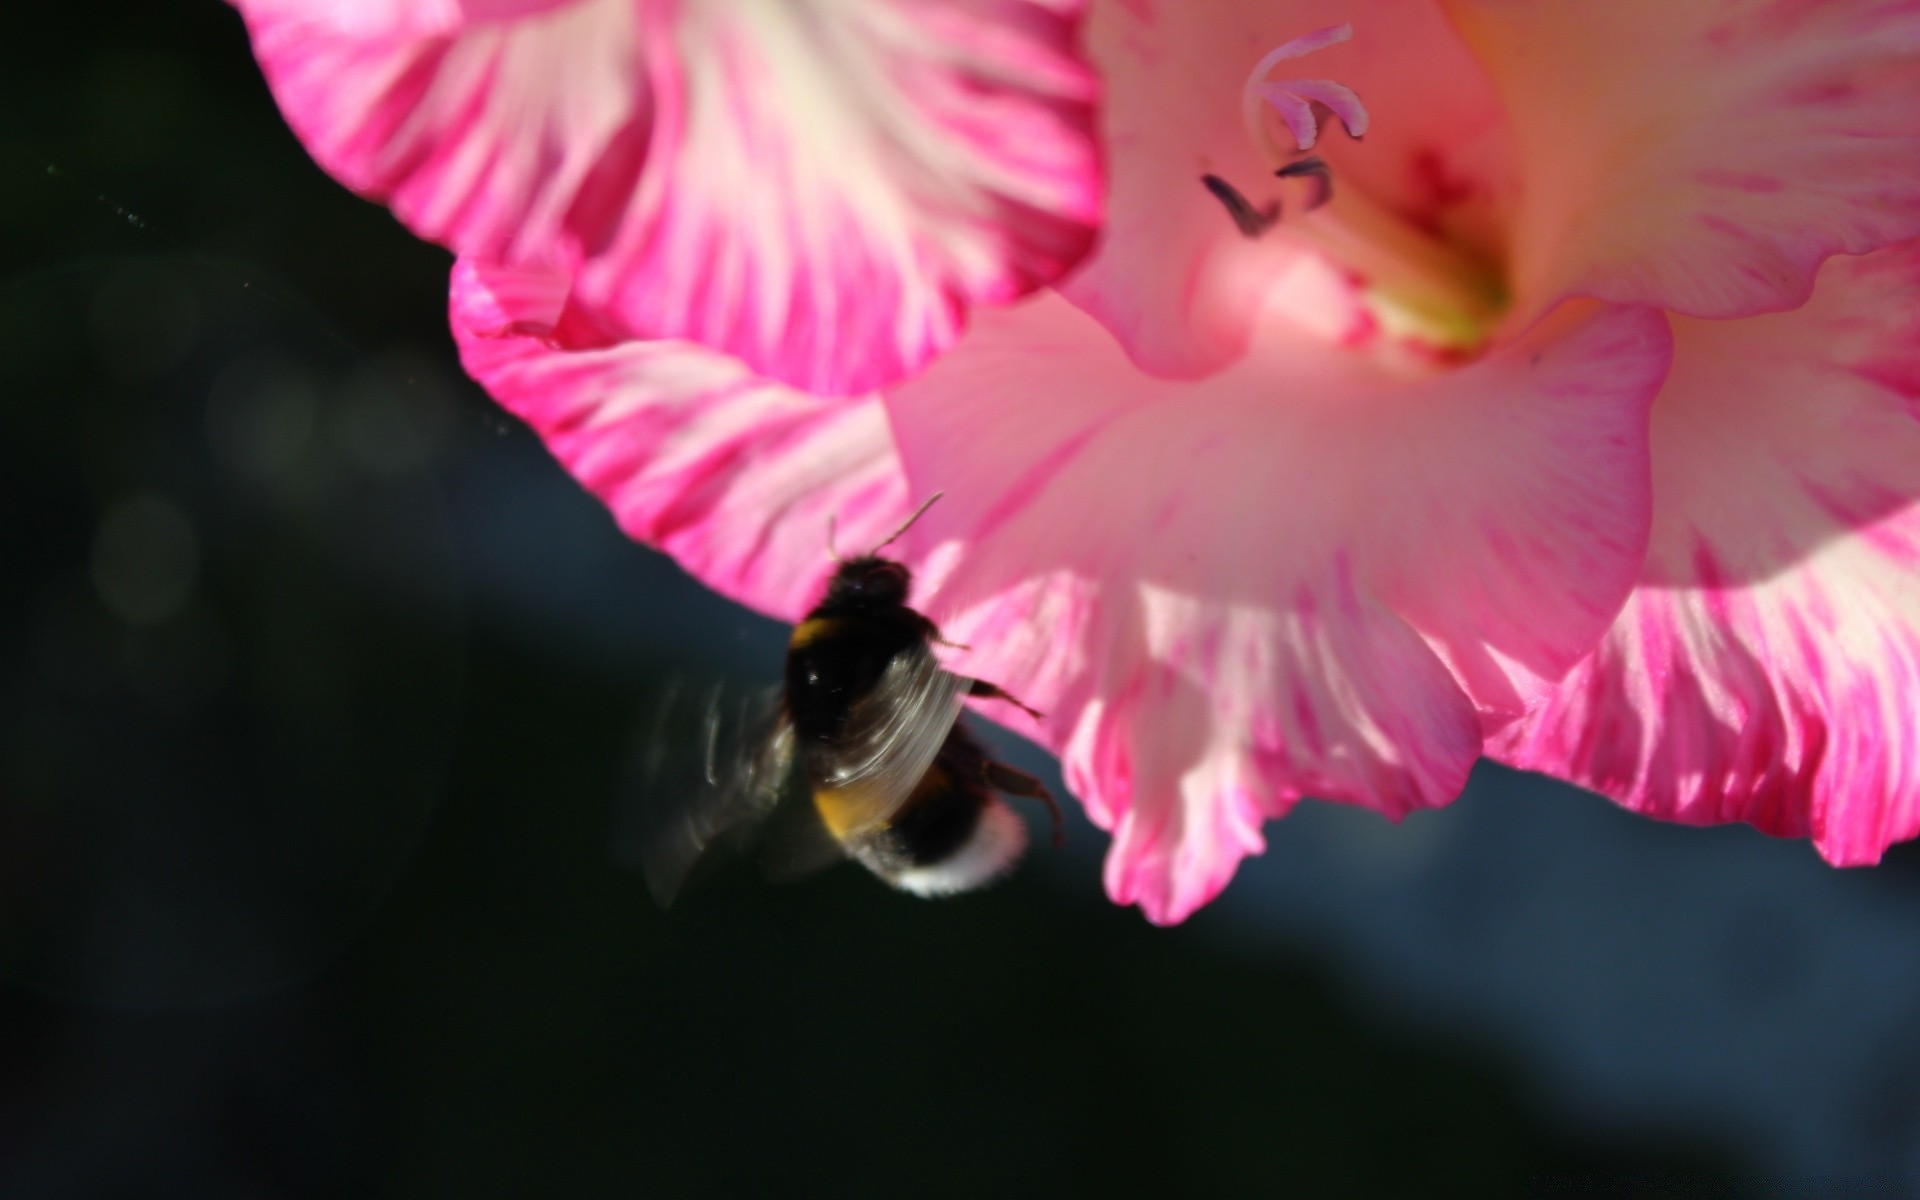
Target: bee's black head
x=869, y=582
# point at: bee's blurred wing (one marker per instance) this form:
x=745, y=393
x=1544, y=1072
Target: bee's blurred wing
x=892, y=736
x=710, y=765
x=795, y=844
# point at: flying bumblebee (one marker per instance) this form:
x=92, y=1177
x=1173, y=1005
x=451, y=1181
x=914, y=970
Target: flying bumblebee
x=867, y=725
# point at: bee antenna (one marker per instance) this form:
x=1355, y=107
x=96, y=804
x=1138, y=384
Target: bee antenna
x=917, y=514
x=833, y=520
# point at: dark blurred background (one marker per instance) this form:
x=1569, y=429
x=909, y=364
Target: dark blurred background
x=317, y=690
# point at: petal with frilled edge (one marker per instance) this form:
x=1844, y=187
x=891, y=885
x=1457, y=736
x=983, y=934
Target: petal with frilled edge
x=1173, y=278
x=820, y=188
x=735, y=476
x=1766, y=669
x=1231, y=593
x=1703, y=157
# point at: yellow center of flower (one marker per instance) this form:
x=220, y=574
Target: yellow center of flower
x=1417, y=286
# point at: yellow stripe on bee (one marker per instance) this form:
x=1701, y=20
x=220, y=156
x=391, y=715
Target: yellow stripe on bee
x=855, y=810
x=845, y=811
x=808, y=632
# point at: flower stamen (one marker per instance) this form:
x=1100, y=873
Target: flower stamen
x=1315, y=169
x=1417, y=285
x=1294, y=99
x=1251, y=221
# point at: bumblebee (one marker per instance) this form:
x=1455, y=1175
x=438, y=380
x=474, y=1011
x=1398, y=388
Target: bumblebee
x=867, y=725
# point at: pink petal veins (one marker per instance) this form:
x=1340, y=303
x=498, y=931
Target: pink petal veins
x=733, y=475
x=1706, y=158
x=1765, y=669
x=1231, y=593
x=819, y=189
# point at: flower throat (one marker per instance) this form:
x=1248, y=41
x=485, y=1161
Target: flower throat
x=1419, y=288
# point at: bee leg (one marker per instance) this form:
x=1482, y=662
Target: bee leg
x=993, y=691
x=1003, y=778
x=940, y=641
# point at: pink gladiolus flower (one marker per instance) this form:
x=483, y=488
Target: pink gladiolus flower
x=1561, y=430
x=819, y=188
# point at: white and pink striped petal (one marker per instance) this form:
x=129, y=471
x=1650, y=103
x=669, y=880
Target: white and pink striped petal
x=1301, y=576
x=1767, y=666
x=819, y=188
x=1705, y=156
x=736, y=476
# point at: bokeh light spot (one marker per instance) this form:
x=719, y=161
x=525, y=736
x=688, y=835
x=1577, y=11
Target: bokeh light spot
x=145, y=557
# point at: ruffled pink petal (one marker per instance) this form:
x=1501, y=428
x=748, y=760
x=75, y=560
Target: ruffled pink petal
x=1766, y=668
x=1231, y=593
x=820, y=189
x=1173, y=278
x=733, y=475
x=1704, y=157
